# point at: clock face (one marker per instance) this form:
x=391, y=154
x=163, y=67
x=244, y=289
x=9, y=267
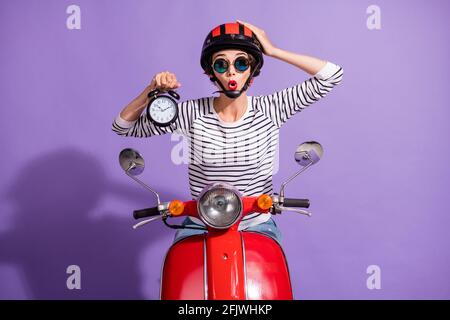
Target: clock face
x=163, y=110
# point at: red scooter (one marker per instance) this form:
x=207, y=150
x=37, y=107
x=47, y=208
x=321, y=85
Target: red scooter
x=224, y=263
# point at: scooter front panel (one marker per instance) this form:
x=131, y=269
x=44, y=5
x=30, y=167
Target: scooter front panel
x=267, y=273
x=183, y=275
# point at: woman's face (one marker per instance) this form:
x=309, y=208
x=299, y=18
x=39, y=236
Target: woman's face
x=231, y=79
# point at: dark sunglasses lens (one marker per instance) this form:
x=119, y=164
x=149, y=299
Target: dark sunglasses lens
x=220, y=65
x=241, y=64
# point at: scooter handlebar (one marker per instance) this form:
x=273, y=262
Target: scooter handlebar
x=299, y=203
x=250, y=205
x=138, y=214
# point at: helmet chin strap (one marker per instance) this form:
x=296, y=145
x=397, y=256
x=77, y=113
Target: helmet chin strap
x=233, y=94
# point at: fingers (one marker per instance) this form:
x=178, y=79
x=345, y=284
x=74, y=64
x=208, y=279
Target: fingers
x=243, y=22
x=166, y=81
x=248, y=25
x=258, y=31
x=267, y=46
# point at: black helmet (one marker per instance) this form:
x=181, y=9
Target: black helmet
x=231, y=36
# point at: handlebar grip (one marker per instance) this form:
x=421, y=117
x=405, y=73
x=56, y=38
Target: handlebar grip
x=292, y=202
x=138, y=214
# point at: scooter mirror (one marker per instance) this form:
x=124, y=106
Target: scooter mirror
x=308, y=153
x=131, y=162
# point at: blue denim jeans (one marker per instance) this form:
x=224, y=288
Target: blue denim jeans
x=268, y=228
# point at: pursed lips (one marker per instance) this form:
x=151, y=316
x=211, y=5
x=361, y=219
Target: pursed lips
x=232, y=84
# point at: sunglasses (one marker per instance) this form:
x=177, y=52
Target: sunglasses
x=240, y=64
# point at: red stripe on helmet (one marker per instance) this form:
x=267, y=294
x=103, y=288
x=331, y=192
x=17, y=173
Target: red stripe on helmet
x=231, y=28
x=247, y=32
x=216, y=31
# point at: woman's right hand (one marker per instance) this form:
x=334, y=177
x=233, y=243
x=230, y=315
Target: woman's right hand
x=164, y=81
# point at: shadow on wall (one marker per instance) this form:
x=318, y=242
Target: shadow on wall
x=53, y=198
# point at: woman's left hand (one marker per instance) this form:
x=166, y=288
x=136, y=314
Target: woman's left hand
x=267, y=46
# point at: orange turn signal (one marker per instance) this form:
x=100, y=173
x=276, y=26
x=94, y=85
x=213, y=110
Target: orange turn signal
x=176, y=207
x=264, y=202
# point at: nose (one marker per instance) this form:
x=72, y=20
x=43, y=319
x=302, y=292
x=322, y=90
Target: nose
x=231, y=70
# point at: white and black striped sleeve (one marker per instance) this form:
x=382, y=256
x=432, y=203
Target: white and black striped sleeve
x=143, y=127
x=282, y=105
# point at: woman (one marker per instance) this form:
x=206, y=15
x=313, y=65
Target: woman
x=234, y=136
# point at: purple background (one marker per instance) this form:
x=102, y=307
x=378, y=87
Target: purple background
x=379, y=195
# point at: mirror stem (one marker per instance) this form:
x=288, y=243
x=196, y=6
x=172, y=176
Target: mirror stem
x=143, y=184
x=283, y=185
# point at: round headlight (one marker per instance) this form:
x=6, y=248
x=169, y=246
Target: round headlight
x=220, y=206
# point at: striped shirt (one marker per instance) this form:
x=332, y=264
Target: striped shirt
x=240, y=153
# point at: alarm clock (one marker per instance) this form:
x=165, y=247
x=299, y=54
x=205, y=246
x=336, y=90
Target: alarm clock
x=162, y=110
